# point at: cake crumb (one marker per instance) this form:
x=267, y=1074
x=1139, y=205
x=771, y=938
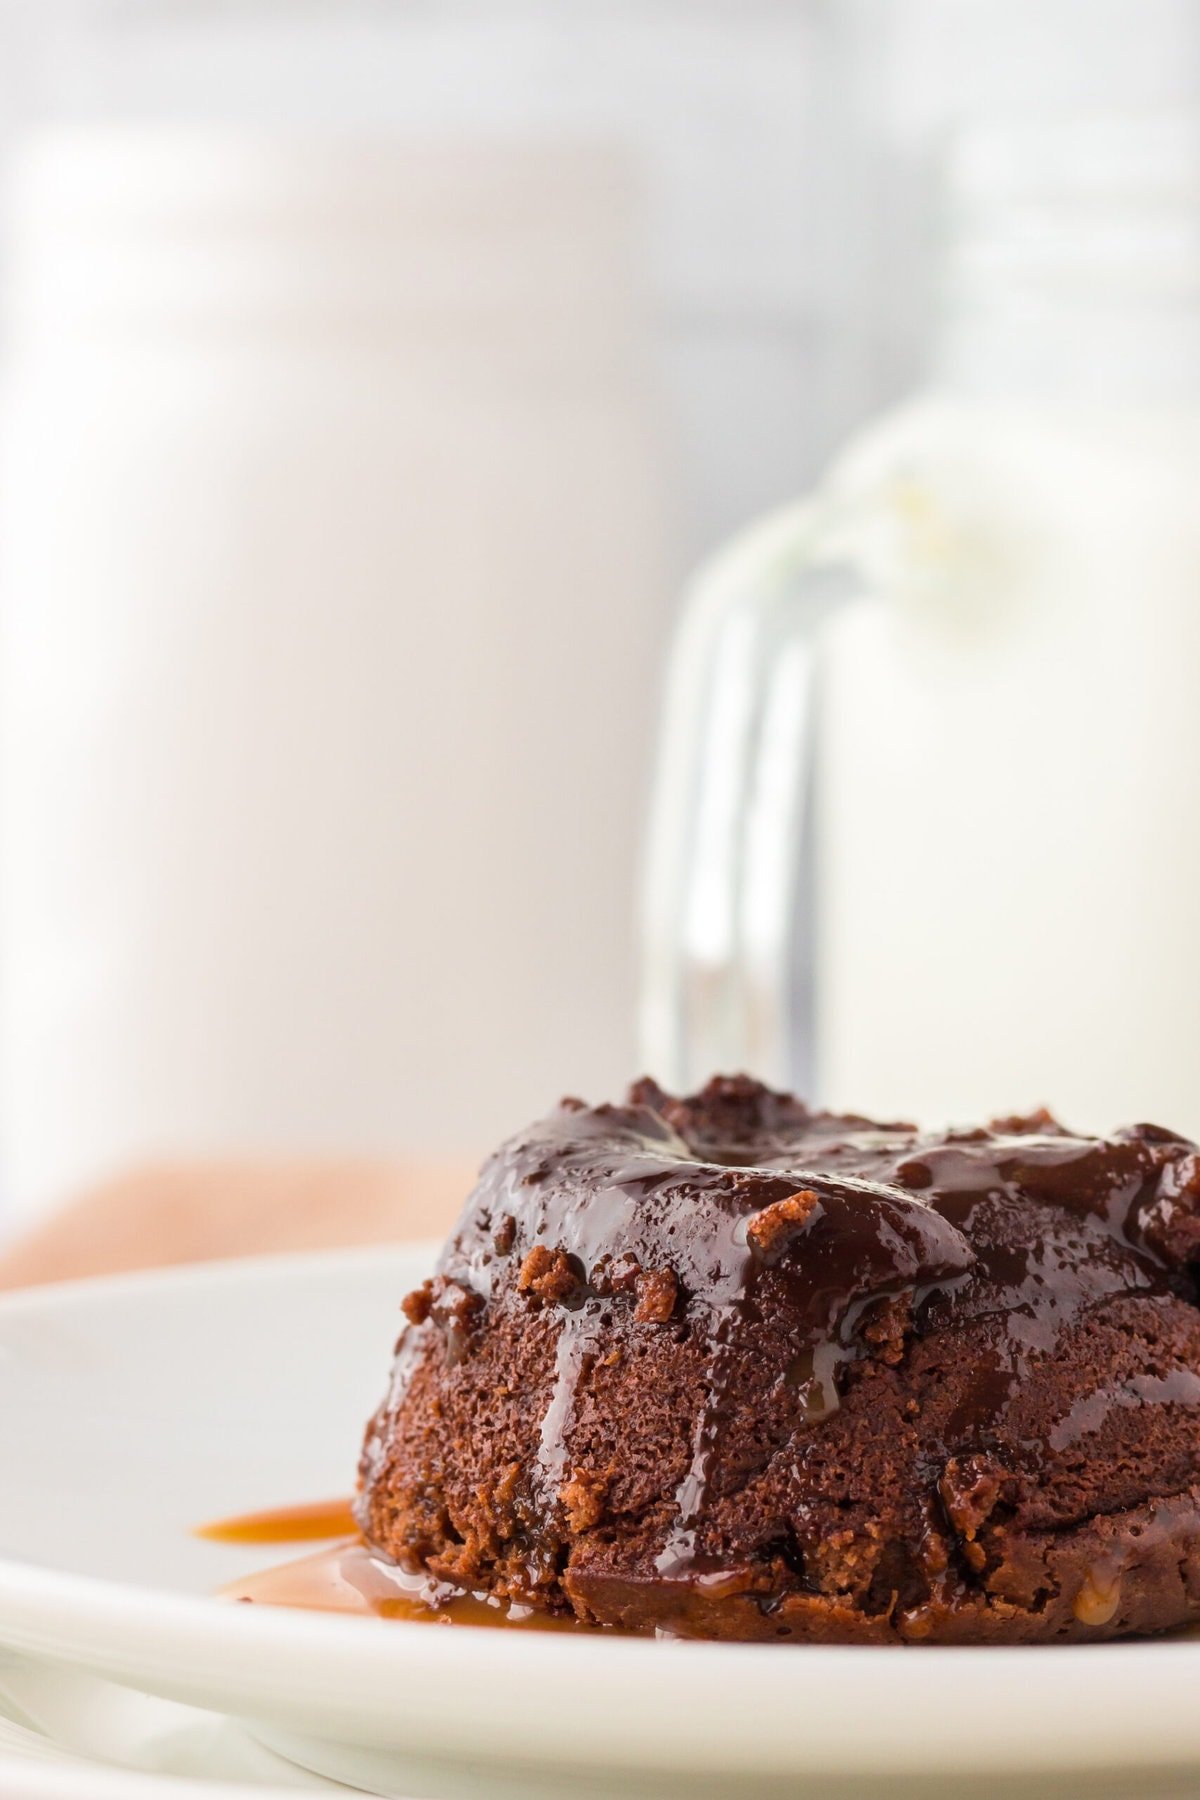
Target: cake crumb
x=657, y=1292
x=455, y=1310
x=886, y=1327
x=769, y=1229
x=504, y=1234
x=549, y=1274
x=844, y=1561
x=1025, y=1124
x=583, y=1499
x=970, y=1491
x=616, y=1274
x=418, y=1305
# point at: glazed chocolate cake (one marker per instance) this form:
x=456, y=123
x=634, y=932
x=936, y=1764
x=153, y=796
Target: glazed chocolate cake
x=730, y=1368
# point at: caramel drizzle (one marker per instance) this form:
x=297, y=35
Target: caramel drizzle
x=725, y=1311
x=577, y=1340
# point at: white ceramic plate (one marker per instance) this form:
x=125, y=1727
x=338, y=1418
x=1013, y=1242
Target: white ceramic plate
x=69, y=1735
x=131, y=1410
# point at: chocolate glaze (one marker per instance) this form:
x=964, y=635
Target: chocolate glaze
x=709, y=1215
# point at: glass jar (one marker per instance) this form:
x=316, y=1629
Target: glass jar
x=922, y=842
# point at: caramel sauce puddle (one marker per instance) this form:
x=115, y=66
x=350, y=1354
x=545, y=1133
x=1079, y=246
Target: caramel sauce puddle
x=285, y=1524
x=348, y=1577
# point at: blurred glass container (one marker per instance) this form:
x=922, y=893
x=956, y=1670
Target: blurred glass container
x=325, y=466
x=924, y=835
x=732, y=114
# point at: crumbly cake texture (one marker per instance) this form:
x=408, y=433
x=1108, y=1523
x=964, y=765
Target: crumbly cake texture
x=726, y=1367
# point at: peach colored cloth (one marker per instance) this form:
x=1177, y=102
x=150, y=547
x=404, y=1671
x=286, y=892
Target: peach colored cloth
x=176, y=1213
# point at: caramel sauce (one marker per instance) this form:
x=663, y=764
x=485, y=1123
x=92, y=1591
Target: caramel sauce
x=347, y=1577
x=1097, y=1601
x=285, y=1524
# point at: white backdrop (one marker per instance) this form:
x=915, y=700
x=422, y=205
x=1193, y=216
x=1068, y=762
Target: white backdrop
x=787, y=148
x=785, y=151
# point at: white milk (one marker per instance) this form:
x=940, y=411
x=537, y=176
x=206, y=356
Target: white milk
x=1007, y=857
x=925, y=839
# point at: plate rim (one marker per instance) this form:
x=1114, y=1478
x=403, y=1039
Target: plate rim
x=214, y=1269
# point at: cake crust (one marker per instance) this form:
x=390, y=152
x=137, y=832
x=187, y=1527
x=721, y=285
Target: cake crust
x=727, y=1367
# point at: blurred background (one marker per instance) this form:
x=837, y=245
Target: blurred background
x=375, y=373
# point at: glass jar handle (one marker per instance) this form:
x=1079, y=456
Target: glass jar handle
x=727, y=903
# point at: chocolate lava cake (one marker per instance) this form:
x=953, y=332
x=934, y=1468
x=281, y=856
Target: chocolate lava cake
x=730, y=1368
